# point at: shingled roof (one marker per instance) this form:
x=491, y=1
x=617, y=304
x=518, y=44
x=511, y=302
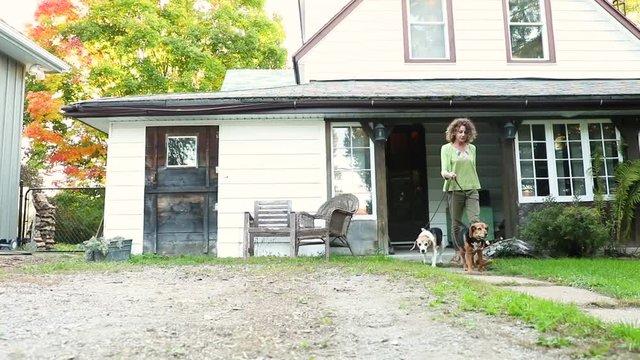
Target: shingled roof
x=418, y=93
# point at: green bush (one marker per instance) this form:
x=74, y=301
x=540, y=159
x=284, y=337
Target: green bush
x=565, y=230
x=78, y=215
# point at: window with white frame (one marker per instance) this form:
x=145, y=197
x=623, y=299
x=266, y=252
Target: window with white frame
x=556, y=158
x=352, y=165
x=428, y=29
x=527, y=24
x=182, y=151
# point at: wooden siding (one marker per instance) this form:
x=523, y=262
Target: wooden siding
x=261, y=159
x=11, y=105
x=368, y=44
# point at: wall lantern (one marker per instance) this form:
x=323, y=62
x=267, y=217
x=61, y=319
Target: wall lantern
x=509, y=131
x=379, y=132
x=36, y=71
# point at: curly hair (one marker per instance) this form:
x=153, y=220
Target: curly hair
x=452, y=129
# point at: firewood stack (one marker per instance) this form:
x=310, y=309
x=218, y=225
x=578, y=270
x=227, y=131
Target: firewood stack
x=45, y=222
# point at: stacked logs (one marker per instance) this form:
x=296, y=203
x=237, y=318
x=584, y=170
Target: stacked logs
x=44, y=228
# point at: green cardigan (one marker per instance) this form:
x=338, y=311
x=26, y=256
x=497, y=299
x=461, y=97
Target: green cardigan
x=463, y=164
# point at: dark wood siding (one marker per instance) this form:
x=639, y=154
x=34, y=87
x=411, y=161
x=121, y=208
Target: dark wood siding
x=180, y=202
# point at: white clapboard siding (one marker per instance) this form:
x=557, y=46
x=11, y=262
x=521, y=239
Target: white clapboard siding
x=368, y=44
x=274, y=159
x=259, y=159
x=124, y=197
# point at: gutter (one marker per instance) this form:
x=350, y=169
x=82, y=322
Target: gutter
x=170, y=108
x=26, y=51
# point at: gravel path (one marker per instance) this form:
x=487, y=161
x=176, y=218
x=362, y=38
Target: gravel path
x=245, y=312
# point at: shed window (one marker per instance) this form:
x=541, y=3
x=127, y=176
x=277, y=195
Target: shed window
x=557, y=159
x=182, y=151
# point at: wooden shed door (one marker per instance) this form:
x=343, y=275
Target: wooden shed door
x=181, y=190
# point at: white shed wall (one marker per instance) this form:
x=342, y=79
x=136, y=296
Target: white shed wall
x=259, y=159
x=275, y=159
x=368, y=44
x=124, y=197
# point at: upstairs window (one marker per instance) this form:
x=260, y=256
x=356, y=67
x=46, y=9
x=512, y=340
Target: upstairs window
x=529, y=35
x=428, y=32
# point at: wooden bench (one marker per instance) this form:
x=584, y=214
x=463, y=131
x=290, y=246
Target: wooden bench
x=271, y=218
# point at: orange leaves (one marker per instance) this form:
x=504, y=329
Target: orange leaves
x=57, y=8
x=67, y=153
x=38, y=133
x=43, y=106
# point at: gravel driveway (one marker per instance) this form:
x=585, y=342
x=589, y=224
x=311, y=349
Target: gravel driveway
x=245, y=312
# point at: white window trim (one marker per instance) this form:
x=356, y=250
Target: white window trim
x=374, y=201
x=445, y=22
x=544, y=30
x=553, y=175
x=167, y=151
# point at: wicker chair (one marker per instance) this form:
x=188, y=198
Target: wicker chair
x=336, y=214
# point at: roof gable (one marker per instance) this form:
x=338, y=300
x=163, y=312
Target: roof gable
x=365, y=39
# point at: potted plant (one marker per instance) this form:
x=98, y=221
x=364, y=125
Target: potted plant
x=101, y=249
x=527, y=190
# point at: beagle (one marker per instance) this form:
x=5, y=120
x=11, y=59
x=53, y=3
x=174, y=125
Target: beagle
x=431, y=238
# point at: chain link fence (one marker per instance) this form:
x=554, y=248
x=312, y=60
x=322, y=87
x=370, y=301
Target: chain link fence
x=51, y=217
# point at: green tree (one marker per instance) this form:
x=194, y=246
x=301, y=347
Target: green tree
x=133, y=47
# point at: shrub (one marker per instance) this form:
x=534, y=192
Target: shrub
x=565, y=230
x=626, y=198
x=78, y=214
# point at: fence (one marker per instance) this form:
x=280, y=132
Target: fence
x=50, y=216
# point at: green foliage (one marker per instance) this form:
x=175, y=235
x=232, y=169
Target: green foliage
x=78, y=215
x=135, y=47
x=626, y=198
x=95, y=244
x=142, y=47
x=565, y=230
x=100, y=245
x=30, y=176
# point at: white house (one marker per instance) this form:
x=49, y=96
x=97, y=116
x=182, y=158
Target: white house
x=564, y=75
x=18, y=55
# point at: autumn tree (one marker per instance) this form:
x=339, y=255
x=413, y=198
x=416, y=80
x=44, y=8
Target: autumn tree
x=132, y=47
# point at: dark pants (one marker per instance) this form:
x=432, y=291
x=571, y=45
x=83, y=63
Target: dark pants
x=459, y=201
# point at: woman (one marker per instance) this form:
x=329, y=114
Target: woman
x=458, y=168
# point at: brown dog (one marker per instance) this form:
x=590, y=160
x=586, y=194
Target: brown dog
x=470, y=245
x=474, y=243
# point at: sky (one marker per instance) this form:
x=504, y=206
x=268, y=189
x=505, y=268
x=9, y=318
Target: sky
x=18, y=13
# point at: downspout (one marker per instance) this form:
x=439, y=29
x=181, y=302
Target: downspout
x=301, y=12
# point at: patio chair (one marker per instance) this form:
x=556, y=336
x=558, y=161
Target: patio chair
x=271, y=218
x=328, y=226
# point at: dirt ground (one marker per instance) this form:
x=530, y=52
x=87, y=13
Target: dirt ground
x=244, y=312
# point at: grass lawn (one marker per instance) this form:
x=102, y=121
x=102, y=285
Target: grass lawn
x=559, y=324
x=618, y=278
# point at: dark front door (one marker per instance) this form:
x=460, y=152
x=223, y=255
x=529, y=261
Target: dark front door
x=181, y=190
x=406, y=183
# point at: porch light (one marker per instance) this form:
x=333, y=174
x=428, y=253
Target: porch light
x=379, y=132
x=509, y=131
x=36, y=71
